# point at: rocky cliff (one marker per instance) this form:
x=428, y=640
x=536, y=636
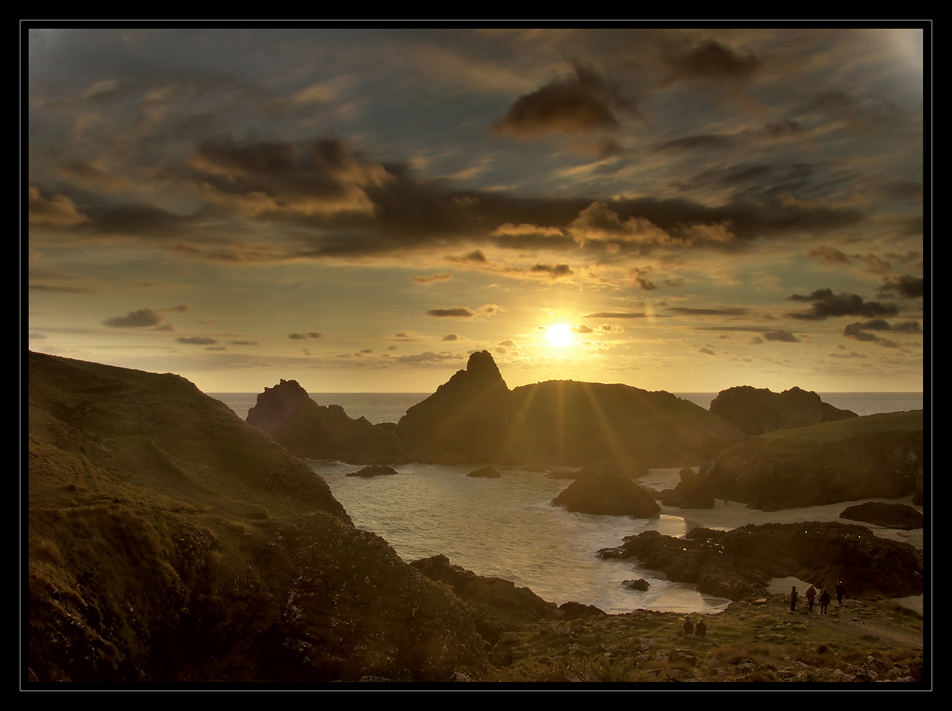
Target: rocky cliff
x=170, y=541
x=474, y=417
x=292, y=418
x=877, y=456
x=756, y=411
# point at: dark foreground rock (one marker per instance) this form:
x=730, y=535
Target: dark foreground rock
x=608, y=495
x=292, y=418
x=169, y=541
x=877, y=456
x=740, y=563
x=886, y=515
x=758, y=410
x=692, y=492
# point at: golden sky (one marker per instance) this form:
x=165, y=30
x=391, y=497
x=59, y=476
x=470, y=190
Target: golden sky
x=359, y=209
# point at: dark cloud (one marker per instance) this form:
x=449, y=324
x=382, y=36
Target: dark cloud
x=861, y=331
x=553, y=270
x=450, y=337
x=905, y=285
x=580, y=103
x=637, y=276
x=713, y=61
x=581, y=328
x=830, y=255
x=302, y=336
x=428, y=357
x=696, y=143
x=143, y=318
x=243, y=343
x=457, y=312
x=826, y=304
x=781, y=336
x=707, y=312
x=614, y=314
x=432, y=278
x=196, y=340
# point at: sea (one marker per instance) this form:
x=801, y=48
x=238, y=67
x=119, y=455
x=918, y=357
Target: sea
x=507, y=528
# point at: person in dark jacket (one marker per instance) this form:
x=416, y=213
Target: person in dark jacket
x=824, y=601
x=688, y=627
x=840, y=592
x=700, y=629
x=793, y=599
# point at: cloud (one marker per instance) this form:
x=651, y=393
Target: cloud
x=302, y=336
x=428, y=357
x=861, y=331
x=826, y=304
x=608, y=328
x=614, y=314
x=457, y=312
x=643, y=283
x=432, y=278
x=58, y=211
x=714, y=61
x=905, y=285
x=829, y=255
x=555, y=271
x=475, y=256
x=781, y=336
x=582, y=102
x=143, y=318
x=581, y=328
x=196, y=340
x=450, y=337
x=243, y=343
x=708, y=312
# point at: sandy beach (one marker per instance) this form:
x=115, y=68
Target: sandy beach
x=727, y=515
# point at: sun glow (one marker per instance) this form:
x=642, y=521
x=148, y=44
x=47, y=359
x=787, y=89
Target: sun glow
x=559, y=335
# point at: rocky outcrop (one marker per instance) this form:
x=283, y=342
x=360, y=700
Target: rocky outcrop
x=877, y=456
x=374, y=470
x=485, y=473
x=474, y=417
x=498, y=603
x=886, y=515
x=608, y=495
x=169, y=541
x=292, y=418
x=758, y=410
x=740, y=563
x=692, y=492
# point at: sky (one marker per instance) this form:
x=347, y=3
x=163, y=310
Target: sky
x=358, y=209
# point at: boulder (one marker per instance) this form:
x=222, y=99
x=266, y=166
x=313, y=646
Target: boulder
x=608, y=495
x=692, y=492
x=886, y=515
x=758, y=410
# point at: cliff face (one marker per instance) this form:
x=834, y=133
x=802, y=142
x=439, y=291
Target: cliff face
x=170, y=541
x=756, y=411
x=292, y=418
x=474, y=417
x=878, y=456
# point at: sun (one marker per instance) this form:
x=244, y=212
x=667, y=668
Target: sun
x=559, y=335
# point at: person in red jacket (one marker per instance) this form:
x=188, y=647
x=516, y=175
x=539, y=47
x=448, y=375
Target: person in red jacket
x=811, y=594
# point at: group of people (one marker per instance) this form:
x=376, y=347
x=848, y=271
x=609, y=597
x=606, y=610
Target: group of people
x=700, y=629
x=823, y=599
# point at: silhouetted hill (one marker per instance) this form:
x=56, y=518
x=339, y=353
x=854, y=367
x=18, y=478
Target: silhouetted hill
x=877, y=456
x=756, y=411
x=292, y=418
x=170, y=541
x=474, y=417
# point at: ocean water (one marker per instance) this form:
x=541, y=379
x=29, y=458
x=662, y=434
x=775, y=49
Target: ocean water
x=507, y=528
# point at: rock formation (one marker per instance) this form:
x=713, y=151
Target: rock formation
x=758, y=410
x=877, y=456
x=169, y=541
x=374, y=470
x=292, y=418
x=692, y=492
x=485, y=473
x=741, y=562
x=474, y=417
x=886, y=515
x=608, y=495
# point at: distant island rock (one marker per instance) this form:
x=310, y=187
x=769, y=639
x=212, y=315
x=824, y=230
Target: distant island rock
x=741, y=563
x=293, y=419
x=475, y=417
x=886, y=515
x=374, y=470
x=758, y=410
x=485, y=473
x=608, y=495
x=877, y=456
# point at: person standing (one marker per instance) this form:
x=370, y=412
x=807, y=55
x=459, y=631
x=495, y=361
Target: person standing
x=688, y=627
x=793, y=599
x=824, y=601
x=840, y=592
x=811, y=594
x=700, y=629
